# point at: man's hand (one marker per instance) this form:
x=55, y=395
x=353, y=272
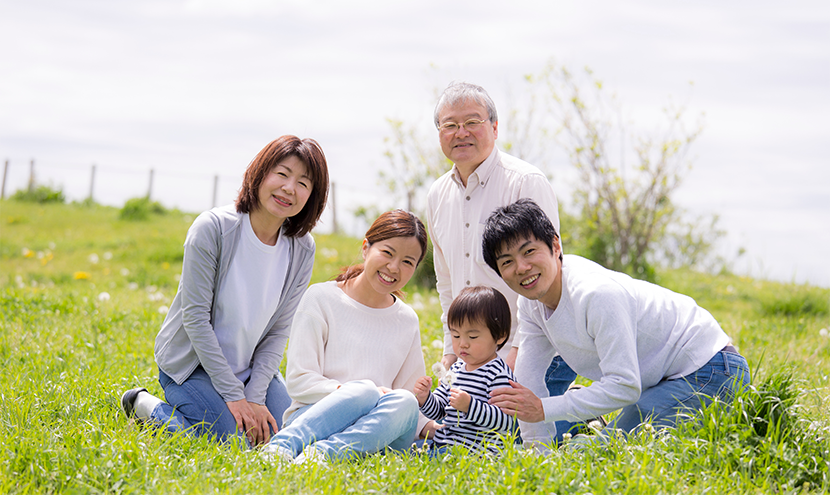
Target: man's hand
x=422, y=387
x=518, y=401
x=429, y=430
x=448, y=360
x=460, y=399
x=510, y=360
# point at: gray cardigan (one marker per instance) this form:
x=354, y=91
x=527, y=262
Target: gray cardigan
x=187, y=338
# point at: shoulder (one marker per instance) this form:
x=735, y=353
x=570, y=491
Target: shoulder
x=213, y=222
x=586, y=281
x=440, y=186
x=405, y=312
x=305, y=243
x=513, y=165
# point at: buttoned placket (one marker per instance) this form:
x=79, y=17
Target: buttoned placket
x=469, y=216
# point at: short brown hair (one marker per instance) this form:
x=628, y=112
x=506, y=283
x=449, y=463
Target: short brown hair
x=308, y=152
x=484, y=304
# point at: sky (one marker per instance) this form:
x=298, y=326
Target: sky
x=194, y=89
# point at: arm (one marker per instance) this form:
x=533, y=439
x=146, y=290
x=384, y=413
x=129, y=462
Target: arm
x=199, y=268
x=268, y=353
x=435, y=405
x=487, y=415
x=443, y=283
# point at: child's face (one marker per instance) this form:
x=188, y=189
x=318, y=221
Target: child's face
x=473, y=343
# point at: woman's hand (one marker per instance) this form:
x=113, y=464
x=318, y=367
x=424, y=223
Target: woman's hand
x=265, y=421
x=253, y=420
x=422, y=387
x=429, y=430
x=460, y=399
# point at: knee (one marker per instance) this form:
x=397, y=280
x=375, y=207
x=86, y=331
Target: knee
x=361, y=390
x=404, y=402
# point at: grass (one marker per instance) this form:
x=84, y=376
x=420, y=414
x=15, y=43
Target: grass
x=67, y=351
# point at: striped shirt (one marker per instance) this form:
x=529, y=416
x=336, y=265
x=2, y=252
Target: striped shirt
x=482, y=426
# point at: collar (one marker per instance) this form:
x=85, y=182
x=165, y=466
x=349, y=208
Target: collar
x=482, y=173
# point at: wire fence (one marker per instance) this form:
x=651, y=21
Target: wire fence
x=187, y=191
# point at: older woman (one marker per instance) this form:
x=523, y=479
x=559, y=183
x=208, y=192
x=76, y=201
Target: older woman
x=245, y=268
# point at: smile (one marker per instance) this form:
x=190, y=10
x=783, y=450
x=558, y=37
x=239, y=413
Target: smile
x=281, y=200
x=386, y=278
x=529, y=280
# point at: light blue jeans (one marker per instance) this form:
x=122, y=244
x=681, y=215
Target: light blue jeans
x=558, y=378
x=665, y=403
x=351, y=422
x=196, y=404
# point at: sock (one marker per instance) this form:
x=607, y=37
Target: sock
x=145, y=404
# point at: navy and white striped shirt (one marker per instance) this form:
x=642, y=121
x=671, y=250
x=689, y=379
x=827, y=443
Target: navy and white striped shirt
x=482, y=424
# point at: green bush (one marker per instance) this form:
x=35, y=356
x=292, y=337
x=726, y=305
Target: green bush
x=40, y=194
x=138, y=209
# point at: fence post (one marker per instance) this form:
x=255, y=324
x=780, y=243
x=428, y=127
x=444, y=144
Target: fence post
x=32, y=175
x=215, y=188
x=5, y=172
x=334, y=228
x=150, y=187
x=92, y=183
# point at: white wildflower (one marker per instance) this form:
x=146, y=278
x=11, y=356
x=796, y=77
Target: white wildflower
x=648, y=428
x=26, y=252
x=163, y=309
x=824, y=332
x=132, y=286
x=52, y=245
x=93, y=258
x=437, y=344
x=125, y=272
x=40, y=255
x=449, y=378
x=104, y=296
x=156, y=296
x=595, y=425
x=438, y=369
x=566, y=436
x=151, y=288
x=417, y=305
x=108, y=256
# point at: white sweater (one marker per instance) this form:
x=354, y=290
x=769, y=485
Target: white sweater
x=624, y=334
x=335, y=339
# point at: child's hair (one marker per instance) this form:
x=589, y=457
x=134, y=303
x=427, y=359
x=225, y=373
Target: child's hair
x=395, y=223
x=484, y=304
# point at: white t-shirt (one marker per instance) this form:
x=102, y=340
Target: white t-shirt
x=247, y=299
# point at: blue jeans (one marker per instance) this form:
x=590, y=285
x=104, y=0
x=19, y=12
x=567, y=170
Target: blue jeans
x=558, y=378
x=352, y=421
x=668, y=401
x=196, y=404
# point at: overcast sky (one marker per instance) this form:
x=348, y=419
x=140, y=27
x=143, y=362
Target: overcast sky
x=195, y=89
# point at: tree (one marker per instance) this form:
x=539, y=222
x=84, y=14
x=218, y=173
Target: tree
x=627, y=220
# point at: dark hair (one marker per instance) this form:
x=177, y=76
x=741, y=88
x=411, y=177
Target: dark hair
x=513, y=223
x=308, y=152
x=395, y=223
x=485, y=304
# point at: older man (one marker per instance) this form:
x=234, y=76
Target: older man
x=459, y=202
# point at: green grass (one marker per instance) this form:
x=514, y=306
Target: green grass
x=67, y=351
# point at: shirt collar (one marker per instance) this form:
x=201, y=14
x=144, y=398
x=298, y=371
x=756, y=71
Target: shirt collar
x=482, y=172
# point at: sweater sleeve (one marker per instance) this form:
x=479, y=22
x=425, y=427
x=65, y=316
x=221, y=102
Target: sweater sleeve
x=268, y=353
x=200, y=264
x=304, y=379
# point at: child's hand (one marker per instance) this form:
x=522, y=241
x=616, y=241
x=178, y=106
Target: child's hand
x=429, y=430
x=460, y=399
x=422, y=388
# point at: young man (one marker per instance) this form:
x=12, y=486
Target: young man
x=648, y=350
x=482, y=178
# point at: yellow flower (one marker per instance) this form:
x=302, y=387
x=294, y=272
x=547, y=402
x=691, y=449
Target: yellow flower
x=80, y=275
x=27, y=253
x=165, y=266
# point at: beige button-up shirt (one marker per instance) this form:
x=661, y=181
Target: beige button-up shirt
x=456, y=215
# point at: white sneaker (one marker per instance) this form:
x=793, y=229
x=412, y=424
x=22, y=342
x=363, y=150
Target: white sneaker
x=277, y=454
x=311, y=455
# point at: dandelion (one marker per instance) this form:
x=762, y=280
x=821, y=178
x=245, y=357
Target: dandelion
x=449, y=378
x=165, y=266
x=108, y=256
x=163, y=309
x=47, y=258
x=595, y=425
x=27, y=253
x=132, y=286
x=40, y=255
x=156, y=296
x=80, y=275
x=824, y=332
x=648, y=428
x=566, y=436
x=93, y=258
x=104, y=296
x=437, y=344
x=125, y=272
x=417, y=305
x=52, y=245
x=438, y=369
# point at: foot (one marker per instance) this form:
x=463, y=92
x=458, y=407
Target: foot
x=311, y=455
x=128, y=401
x=277, y=454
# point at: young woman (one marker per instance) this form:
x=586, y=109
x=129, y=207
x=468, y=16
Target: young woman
x=355, y=354
x=244, y=272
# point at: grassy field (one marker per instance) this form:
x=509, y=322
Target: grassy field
x=82, y=295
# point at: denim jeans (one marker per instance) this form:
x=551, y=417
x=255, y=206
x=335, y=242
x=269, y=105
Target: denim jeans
x=196, y=404
x=352, y=421
x=558, y=378
x=668, y=401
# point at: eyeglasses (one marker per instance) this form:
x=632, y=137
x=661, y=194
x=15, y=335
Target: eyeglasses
x=450, y=128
